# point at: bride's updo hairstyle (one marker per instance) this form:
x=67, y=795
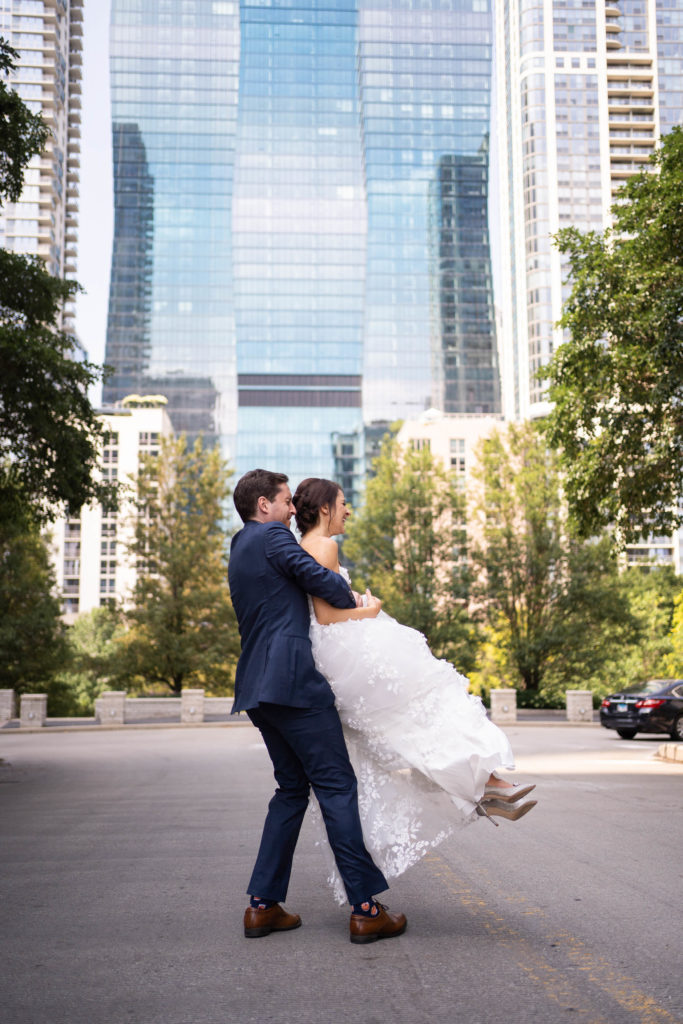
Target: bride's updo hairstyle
x=311, y=495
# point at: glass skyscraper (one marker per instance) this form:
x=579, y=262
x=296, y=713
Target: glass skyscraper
x=301, y=241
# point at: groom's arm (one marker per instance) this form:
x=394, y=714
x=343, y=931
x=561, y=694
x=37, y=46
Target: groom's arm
x=291, y=560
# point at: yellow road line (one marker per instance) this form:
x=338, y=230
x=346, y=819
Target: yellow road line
x=566, y=986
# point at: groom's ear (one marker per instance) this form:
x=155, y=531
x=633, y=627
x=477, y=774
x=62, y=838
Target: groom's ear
x=262, y=503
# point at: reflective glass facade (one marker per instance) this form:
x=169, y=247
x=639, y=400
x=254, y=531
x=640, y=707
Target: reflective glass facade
x=301, y=242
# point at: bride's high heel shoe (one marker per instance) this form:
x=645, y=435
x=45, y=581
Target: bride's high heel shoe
x=513, y=812
x=508, y=795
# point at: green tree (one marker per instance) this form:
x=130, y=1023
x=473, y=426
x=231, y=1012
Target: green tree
x=22, y=133
x=49, y=433
x=32, y=644
x=408, y=543
x=551, y=604
x=617, y=384
x=673, y=662
x=92, y=666
x=182, y=628
x=645, y=652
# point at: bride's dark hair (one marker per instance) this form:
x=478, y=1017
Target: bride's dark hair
x=311, y=495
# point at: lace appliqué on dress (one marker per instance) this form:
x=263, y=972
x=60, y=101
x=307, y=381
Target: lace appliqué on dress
x=420, y=744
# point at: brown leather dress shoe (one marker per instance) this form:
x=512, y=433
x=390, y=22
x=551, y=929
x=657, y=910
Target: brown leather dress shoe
x=383, y=925
x=262, y=922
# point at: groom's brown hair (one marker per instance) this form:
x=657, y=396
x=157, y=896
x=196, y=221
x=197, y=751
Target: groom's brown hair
x=253, y=485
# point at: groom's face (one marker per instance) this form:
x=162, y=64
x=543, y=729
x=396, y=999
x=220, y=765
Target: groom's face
x=280, y=509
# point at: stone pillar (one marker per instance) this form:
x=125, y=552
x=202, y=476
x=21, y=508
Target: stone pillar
x=33, y=710
x=191, y=706
x=503, y=706
x=6, y=705
x=112, y=704
x=579, y=706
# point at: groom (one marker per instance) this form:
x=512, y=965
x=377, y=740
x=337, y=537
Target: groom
x=292, y=705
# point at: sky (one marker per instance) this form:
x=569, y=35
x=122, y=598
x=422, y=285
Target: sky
x=96, y=204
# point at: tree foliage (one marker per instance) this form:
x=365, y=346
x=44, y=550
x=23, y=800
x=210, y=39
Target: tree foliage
x=49, y=433
x=22, y=133
x=645, y=651
x=32, y=643
x=182, y=628
x=617, y=384
x=92, y=664
x=550, y=603
x=673, y=662
x=407, y=544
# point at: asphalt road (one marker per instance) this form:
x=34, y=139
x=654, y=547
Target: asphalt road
x=125, y=855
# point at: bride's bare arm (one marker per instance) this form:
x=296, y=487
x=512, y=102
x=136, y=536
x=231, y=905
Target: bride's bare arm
x=325, y=551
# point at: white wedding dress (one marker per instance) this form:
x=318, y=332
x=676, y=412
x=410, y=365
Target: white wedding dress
x=420, y=744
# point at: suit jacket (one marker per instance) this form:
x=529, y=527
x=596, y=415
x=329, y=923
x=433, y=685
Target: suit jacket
x=270, y=575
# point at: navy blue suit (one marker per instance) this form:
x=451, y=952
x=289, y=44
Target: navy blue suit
x=292, y=705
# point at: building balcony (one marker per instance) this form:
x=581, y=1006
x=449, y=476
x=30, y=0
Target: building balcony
x=628, y=60
x=628, y=102
x=630, y=153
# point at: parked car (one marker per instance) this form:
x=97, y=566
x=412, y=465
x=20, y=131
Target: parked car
x=655, y=706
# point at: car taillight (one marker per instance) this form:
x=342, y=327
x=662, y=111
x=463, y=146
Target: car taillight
x=650, y=702
x=605, y=703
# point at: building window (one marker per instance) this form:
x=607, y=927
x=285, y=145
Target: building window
x=420, y=444
x=458, y=461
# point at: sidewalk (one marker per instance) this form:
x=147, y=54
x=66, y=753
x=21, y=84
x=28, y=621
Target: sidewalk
x=525, y=716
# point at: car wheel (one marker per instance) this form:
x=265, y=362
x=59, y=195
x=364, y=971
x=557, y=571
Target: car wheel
x=677, y=728
x=627, y=734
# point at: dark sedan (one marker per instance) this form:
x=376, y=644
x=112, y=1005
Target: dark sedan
x=656, y=706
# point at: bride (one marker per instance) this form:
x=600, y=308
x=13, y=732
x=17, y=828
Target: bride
x=423, y=750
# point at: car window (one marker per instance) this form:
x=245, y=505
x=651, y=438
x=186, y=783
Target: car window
x=677, y=691
x=651, y=686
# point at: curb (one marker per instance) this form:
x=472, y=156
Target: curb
x=49, y=729
x=670, y=752
x=13, y=729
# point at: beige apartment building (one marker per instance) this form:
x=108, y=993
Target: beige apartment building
x=90, y=550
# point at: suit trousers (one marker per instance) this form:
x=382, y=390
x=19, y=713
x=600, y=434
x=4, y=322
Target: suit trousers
x=307, y=748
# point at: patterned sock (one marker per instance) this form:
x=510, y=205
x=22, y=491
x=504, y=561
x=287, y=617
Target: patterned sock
x=368, y=908
x=259, y=904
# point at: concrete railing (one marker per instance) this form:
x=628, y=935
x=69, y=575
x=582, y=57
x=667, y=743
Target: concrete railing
x=579, y=706
x=32, y=710
x=503, y=706
x=115, y=708
x=7, y=703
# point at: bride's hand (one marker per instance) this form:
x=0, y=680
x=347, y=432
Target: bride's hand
x=373, y=603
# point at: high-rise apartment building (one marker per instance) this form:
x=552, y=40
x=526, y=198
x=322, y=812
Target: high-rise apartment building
x=584, y=91
x=90, y=550
x=48, y=34
x=301, y=242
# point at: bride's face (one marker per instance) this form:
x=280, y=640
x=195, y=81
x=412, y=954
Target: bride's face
x=339, y=514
